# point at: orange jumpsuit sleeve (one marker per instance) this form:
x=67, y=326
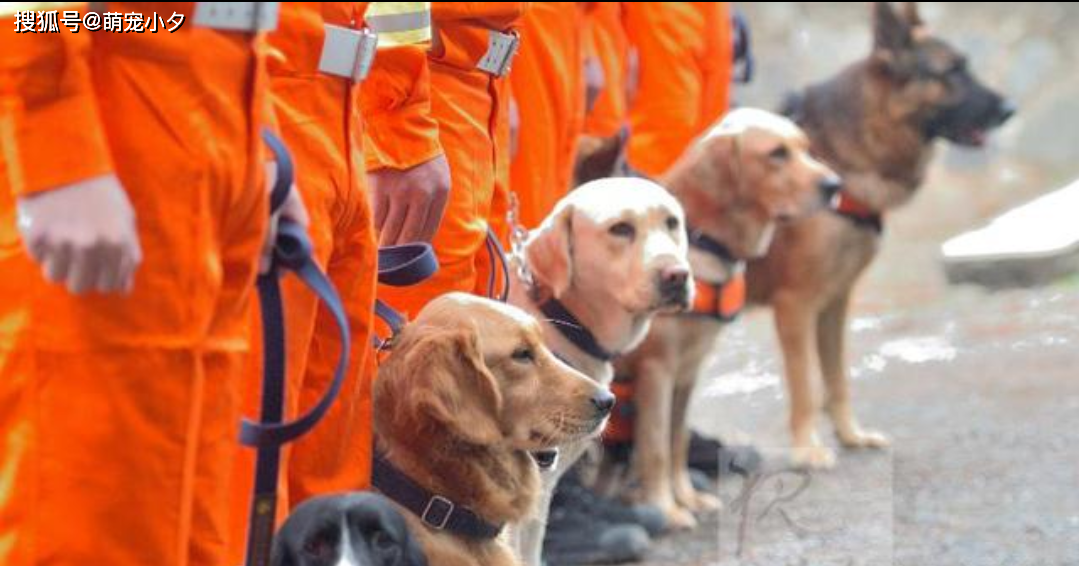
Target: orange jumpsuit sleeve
x=678, y=76
x=50, y=128
x=400, y=131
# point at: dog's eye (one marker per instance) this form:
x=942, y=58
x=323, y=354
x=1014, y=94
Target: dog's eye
x=524, y=354
x=673, y=223
x=385, y=547
x=382, y=541
x=623, y=230
x=319, y=547
x=780, y=154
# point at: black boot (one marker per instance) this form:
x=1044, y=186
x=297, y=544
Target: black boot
x=585, y=528
x=715, y=458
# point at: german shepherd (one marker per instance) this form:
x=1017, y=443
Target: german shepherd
x=875, y=123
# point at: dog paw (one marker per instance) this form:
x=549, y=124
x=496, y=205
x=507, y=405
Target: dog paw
x=813, y=457
x=679, y=519
x=864, y=439
x=703, y=502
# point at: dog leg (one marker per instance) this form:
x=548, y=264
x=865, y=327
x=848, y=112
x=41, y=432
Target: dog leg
x=794, y=317
x=684, y=493
x=831, y=348
x=652, y=435
x=610, y=479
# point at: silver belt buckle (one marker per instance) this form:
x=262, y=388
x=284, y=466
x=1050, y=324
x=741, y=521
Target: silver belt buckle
x=501, y=47
x=251, y=17
x=348, y=52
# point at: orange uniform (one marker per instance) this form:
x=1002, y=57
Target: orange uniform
x=685, y=51
x=471, y=107
x=548, y=87
x=321, y=119
x=118, y=414
x=609, y=44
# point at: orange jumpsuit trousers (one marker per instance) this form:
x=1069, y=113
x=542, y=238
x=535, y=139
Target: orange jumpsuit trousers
x=319, y=117
x=471, y=109
x=119, y=414
x=548, y=87
x=684, y=51
x=610, y=46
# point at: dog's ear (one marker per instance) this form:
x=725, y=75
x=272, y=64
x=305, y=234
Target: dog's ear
x=893, y=40
x=549, y=252
x=452, y=386
x=723, y=168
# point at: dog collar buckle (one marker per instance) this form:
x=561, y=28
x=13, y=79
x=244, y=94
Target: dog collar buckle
x=437, y=506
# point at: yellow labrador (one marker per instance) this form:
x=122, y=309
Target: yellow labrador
x=611, y=256
x=749, y=172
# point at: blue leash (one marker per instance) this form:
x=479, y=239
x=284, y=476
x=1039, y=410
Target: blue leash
x=292, y=252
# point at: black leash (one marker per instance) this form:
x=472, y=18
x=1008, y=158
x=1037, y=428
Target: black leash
x=292, y=252
x=401, y=266
x=498, y=258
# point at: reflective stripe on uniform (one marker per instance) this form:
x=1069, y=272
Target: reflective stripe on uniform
x=400, y=23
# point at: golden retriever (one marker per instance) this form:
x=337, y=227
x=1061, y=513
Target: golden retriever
x=749, y=172
x=467, y=394
x=611, y=256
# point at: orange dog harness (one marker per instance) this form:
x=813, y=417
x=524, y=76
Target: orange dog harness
x=721, y=301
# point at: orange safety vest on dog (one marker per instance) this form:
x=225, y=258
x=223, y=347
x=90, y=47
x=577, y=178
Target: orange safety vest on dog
x=721, y=301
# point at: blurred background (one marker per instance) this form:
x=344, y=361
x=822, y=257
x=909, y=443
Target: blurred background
x=979, y=389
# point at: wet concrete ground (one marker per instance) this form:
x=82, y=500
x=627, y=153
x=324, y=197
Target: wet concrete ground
x=982, y=402
x=979, y=392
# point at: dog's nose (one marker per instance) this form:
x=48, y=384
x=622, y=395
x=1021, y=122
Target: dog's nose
x=674, y=277
x=603, y=401
x=829, y=187
x=1005, y=110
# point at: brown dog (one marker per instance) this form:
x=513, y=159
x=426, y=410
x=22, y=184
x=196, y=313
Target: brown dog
x=875, y=122
x=739, y=180
x=468, y=396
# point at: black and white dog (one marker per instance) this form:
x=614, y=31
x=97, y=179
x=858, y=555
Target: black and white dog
x=354, y=529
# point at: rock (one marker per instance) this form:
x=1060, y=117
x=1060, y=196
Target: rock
x=1032, y=244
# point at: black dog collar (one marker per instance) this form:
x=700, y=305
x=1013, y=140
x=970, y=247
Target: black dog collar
x=438, y=512
x=570, y=327
x=711, y=246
